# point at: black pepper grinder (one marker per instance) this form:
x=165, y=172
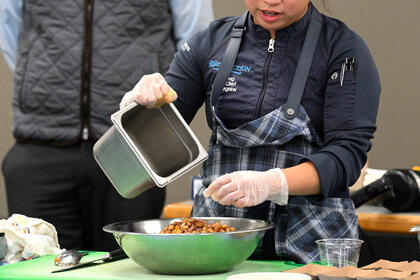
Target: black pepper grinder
x=397, y=190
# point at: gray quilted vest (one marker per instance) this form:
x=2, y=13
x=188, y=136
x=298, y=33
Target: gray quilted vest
x=77, y=58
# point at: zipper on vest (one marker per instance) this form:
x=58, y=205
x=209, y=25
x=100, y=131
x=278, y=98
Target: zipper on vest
x=85, y=130
x=86, y=69
x=270, y=51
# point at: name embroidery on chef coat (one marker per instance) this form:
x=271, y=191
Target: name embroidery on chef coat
x=230, y=85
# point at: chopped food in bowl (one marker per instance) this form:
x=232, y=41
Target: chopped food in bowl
x=191, y=225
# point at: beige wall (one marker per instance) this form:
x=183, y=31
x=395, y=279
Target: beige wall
x=392, y=34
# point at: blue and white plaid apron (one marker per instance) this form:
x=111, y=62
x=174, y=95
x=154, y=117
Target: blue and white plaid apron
x=265, y=143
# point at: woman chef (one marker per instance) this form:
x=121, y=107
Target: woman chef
x=291, y=96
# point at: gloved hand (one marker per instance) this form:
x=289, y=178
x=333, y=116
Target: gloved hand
x=151, y=91
x=249, y=188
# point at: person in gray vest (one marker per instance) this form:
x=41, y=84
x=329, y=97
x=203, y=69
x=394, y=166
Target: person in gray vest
x=291, y=97
x=73, y=60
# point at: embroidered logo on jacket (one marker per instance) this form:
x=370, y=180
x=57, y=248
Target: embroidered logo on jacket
x=236, y=69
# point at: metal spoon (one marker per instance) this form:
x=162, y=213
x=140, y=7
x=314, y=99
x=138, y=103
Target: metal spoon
x=108, y=257
x=69, y=258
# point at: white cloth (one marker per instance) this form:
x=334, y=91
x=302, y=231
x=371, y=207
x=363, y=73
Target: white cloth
x=28, y=238
x=372, y=175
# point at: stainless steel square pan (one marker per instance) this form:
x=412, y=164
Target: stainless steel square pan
x=146, y=148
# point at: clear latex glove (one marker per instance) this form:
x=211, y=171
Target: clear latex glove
x=151, y=91
x=249, y=188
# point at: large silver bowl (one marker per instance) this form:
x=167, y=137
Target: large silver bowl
x=188, y=253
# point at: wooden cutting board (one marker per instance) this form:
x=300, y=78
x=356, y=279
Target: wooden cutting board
x=40, y=269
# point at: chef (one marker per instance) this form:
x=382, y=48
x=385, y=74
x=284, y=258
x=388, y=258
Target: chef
x=291, y=97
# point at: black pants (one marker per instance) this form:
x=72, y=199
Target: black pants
x=66, y=187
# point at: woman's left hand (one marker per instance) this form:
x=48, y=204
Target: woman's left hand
x=249, y=188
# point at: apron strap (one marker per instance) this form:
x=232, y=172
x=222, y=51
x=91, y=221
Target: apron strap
x=304, y=64
x=228, y=59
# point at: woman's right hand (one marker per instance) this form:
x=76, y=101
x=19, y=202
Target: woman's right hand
x=151, y=91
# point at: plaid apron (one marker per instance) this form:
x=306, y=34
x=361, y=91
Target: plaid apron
x=265, y=143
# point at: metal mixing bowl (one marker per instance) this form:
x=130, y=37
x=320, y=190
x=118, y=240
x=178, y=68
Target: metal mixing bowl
x=188, y=253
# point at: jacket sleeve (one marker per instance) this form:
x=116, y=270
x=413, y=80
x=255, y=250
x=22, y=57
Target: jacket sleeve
x=185, y=75
x=350, y=110
x=10, y=21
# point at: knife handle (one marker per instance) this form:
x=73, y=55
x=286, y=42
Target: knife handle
x=116, y=255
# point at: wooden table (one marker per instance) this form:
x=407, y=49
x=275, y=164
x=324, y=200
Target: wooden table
x=371, y=218
x=178, y=209
x=379, y=219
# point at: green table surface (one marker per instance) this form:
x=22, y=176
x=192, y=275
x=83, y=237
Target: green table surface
x=40, y=268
